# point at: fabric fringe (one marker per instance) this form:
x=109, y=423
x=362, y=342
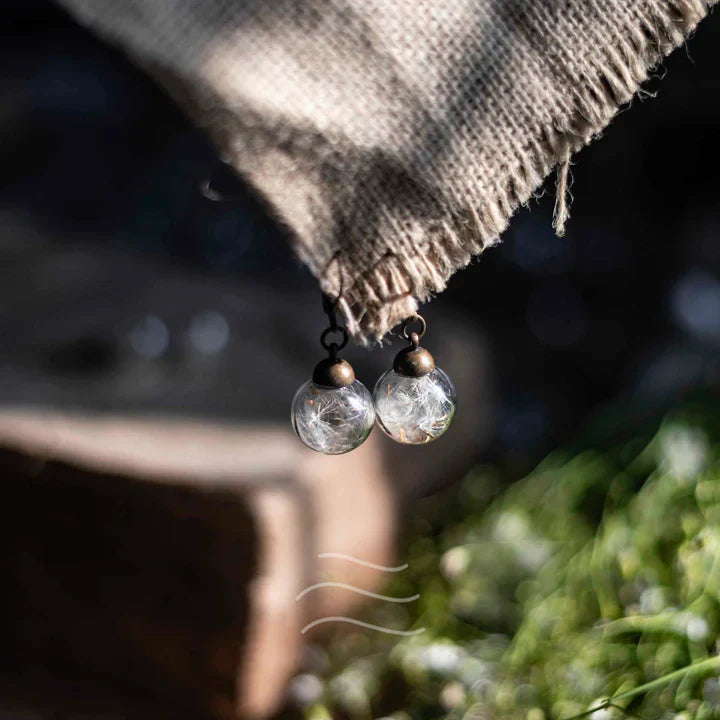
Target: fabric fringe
x=618, y=78
x=561, y=212
x=324, y=179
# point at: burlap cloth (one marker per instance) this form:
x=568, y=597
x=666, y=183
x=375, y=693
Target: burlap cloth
x=395, y=138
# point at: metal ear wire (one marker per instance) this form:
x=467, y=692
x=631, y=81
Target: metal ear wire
x=207, y=190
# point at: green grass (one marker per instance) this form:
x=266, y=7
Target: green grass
x=591, y=588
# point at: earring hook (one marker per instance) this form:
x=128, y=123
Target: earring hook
x=209, y=192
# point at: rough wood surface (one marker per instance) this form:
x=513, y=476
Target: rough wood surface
x=162, y=559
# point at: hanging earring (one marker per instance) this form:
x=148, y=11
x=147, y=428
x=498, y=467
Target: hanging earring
x=333, y=412
x=415, y=401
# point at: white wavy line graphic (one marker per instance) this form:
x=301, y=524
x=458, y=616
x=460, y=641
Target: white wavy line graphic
x=345, y=586
x=369, y=626
x=341, y=556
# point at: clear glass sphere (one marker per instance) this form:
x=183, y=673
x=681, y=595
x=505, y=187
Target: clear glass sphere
x=414, y=410
x=333, y=420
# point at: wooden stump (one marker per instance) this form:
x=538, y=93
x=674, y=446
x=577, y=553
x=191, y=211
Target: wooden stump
x=162, y=558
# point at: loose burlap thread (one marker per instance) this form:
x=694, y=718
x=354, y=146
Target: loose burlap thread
x=395, y=138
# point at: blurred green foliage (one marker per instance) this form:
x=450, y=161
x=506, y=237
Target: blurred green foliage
x=596, y=574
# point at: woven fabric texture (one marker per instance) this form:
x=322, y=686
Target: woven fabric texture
x=395, y=138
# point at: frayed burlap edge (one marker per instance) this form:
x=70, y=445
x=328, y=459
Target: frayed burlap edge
x=387, y=294
x=373, y=301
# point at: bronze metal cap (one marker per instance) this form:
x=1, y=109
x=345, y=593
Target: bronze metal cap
x=333, y=373
x=413, y=362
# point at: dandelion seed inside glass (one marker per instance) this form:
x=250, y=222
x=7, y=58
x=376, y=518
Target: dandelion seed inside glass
x=333, y=420
x=415, y=410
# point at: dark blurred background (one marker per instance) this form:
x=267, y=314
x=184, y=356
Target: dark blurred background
x=122, y=286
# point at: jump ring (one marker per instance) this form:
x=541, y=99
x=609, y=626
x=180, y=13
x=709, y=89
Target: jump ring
x=340, y=345
x=414, y=318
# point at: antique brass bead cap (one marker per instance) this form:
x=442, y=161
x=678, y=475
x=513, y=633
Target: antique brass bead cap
x=333, y=372
x=414, y=361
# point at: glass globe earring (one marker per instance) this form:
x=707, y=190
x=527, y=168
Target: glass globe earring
x=333, y=413
x=415, y=401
